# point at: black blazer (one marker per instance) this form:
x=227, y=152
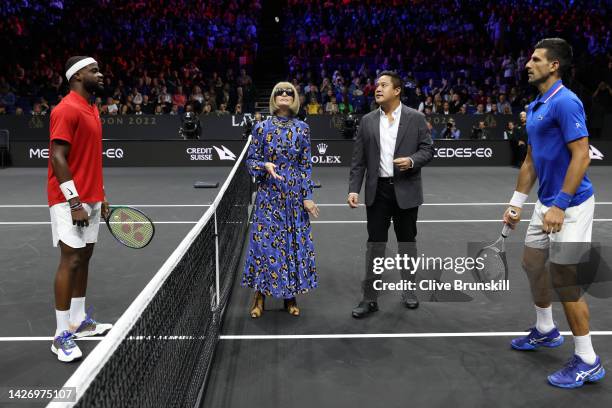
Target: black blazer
x=413, y=140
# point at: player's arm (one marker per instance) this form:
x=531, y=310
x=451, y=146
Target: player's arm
x=579, y=149
x=526, y=179
x=60, y=150
x=555, y=216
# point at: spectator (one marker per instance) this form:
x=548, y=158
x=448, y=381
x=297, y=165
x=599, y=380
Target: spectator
x=345, y=106
x=158, y=110
x=480, y=109
x=137, y=109
x=331, y=107
x=479, y=131
x=179, y=97
x=222, y=110
x=450, y=131
x=494, y=110
x=445, y=109
x=146, y=105
x=238, y=109
x=313, y=106
x=503, y=103
x=509, y=132
x=462, y=110
x=174, y=110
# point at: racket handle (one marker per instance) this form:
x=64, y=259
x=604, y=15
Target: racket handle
x=506, y=231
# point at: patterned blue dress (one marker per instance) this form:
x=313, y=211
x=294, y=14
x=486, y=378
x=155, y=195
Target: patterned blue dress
x=281, y=257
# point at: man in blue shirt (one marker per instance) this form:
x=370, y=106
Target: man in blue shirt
x=561, y=225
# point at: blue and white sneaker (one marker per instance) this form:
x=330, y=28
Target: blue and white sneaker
x=576, y=372
x=536, y=339
x=89, y=327
x=65, y=348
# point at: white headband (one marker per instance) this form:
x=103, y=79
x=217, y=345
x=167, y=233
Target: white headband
x=78, y=66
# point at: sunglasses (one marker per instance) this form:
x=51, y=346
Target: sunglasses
x=287, y=91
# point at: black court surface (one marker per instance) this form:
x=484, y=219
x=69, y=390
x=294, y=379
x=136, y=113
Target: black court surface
x=451, y=351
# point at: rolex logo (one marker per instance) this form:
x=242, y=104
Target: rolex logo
x=322, y=148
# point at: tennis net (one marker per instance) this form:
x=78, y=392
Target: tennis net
x=160, y=350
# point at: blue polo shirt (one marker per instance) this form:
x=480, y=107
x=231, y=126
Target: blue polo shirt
x=554, y=120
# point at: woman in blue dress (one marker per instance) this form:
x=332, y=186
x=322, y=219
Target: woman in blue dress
x=281, y=258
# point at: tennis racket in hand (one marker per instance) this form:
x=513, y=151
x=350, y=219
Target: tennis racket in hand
x=493, y=257
x=130, y=226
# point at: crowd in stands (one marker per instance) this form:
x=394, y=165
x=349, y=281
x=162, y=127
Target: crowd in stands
x=168, y=57
x=157, y=56
x=454, y=56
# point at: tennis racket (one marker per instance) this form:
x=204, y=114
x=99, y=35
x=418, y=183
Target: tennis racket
x=130, y=226
x=493, y=258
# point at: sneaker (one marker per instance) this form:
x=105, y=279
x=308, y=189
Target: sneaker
x=65, y=348
x=536, y=339
x=89, y=327
x=576, y=372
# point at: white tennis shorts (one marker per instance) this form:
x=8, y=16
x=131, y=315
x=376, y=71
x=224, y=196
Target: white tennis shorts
x=71, y=235
x=568, y=245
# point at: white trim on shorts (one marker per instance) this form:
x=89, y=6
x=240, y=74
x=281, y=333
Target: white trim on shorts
x=71, y=235
x=576, y=232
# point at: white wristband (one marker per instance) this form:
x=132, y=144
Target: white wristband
x=69, y=190
x=518, y=199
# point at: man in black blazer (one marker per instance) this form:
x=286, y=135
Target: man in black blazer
x=392, y=144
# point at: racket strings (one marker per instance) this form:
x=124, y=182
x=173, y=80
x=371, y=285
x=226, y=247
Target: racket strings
x=131, y=227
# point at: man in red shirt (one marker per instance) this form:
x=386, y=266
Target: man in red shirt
x=76, y=201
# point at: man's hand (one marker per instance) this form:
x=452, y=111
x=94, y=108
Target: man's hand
x=353, y=200
x=553, y=220
x=105, y=209
x=80, y=218
x=271, y=169
x=512, y=220
x=403, y=163
x=311, y=207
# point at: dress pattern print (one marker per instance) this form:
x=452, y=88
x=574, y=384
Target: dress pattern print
x=281, y=258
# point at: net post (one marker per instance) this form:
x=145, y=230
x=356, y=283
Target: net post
x=217, y=276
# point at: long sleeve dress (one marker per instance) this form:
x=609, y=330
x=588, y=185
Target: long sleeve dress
x=281, y=258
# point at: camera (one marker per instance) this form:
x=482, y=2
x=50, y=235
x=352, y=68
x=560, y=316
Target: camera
x=350, y=126
x=190, y=127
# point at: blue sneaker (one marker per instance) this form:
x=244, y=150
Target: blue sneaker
x=536, y=339
x=576, y=372
x=90, y=327
x=65, y=348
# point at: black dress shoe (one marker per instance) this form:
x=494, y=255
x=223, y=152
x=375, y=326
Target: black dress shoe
x=410, y=300
x=364, y=308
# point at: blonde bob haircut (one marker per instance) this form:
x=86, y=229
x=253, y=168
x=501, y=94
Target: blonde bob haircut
x=294, y=107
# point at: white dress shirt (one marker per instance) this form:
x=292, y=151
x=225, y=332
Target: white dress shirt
x=388, y=136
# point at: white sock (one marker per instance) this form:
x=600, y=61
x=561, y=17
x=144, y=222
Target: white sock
x=77, y=311
x=63, y=321
x=544, y=319
x=584, y=349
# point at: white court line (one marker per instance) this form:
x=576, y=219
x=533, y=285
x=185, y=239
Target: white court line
x=49, y=222
x=312, y=222
x=319, y=205
x=333, y=336
x=387, y=335
x=46, y=338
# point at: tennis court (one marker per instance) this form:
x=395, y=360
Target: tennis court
x=453, y=349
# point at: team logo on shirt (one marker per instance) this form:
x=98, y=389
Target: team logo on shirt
x=578, y=125
x=540, y=117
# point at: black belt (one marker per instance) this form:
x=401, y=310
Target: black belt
x=386, y=180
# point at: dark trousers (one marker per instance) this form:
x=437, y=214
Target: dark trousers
x=384, y=210
x=380, y=214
